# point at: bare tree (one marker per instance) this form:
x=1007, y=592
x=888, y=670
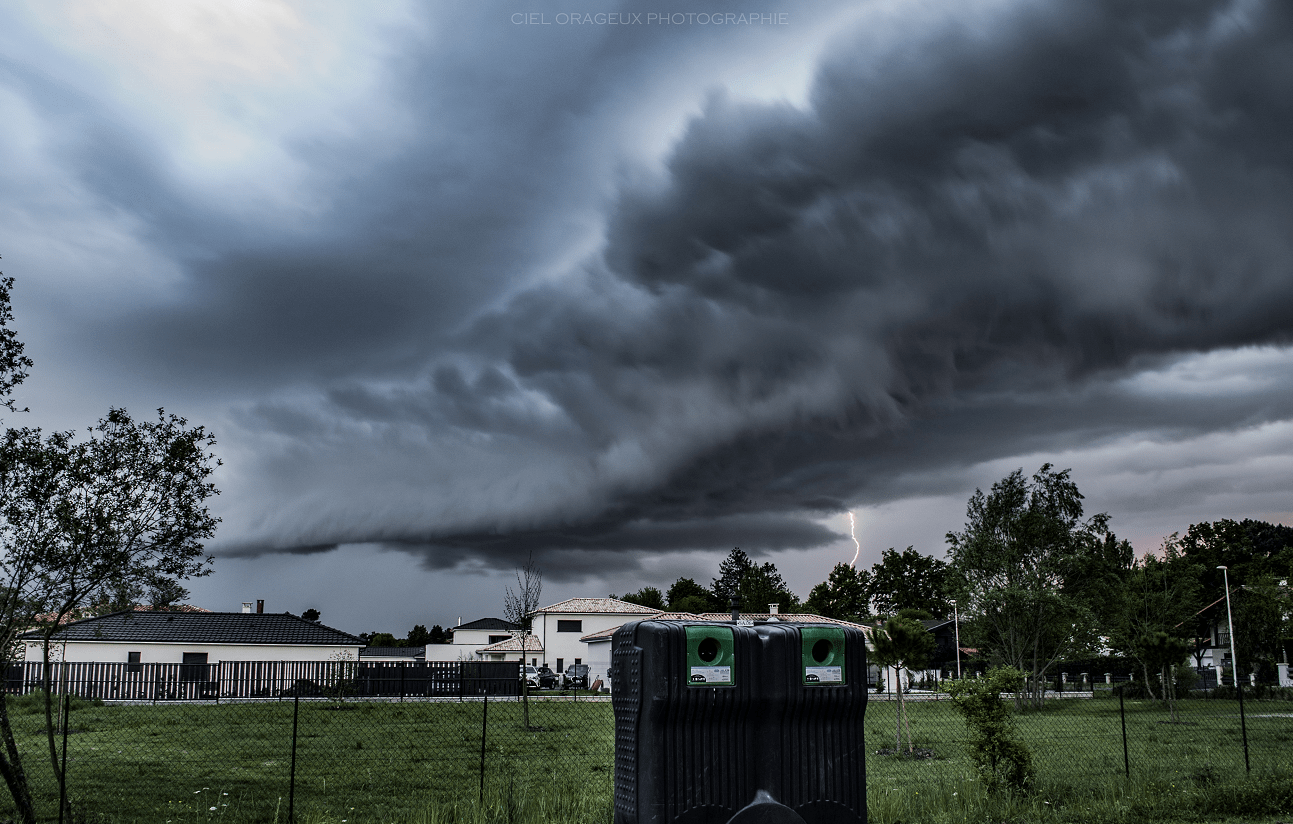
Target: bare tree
x=519, y=606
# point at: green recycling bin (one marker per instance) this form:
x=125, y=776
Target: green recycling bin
x=822, y=656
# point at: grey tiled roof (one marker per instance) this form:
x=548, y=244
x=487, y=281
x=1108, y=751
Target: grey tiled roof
x=488, y=623
x=202, y=628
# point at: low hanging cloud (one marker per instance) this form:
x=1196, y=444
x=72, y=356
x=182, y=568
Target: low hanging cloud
x=983, y=235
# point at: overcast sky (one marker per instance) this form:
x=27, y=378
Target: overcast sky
x=453, y=282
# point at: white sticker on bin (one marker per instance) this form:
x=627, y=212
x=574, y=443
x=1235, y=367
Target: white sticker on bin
x=824, y=675
x=711, y=675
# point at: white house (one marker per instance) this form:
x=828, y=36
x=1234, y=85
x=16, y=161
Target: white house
x=598, y=645
x=510, y=650
x=561, y=627
x=164, y=637
x=469, y=638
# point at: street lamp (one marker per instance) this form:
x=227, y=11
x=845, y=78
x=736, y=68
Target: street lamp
x=956, y=622
x=1230, y=624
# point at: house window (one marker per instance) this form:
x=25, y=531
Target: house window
x=560, y=663
x=194, y=667
x=132, y=662
x=494, y=639
x=578, y=662
x=570, y=626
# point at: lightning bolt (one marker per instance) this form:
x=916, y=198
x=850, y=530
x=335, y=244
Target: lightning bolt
x=853, y=535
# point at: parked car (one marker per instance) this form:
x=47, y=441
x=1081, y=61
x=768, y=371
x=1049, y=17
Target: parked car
x=530, y=675
x=576, y=676
x=548, y=679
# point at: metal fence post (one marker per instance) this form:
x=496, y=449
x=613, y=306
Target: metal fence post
x=291, y=778
x=484, y=725
x=1243, y=722
x=1122, y=711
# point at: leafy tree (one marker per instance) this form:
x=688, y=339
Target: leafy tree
x=83, y=522
x=1257, y=555
x=13, y=363
x=754, y=585
x=910, y=580
x=1024, y=559
x=845, y=594
x=165, y=593
x=1158, y=595
x=731, y=572
x=120, y=511
x=1162, y=653
x=439, y=636
x=418, y=636
x=311, y=614
x=904, y=644
x=688, y=596
x=381, y=639
x=763, y=586
x=647, y=597
x=1002, y=761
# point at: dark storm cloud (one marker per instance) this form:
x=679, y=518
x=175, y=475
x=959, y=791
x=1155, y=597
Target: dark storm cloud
x=983, y=225
x=950, y=256
x=577, y=552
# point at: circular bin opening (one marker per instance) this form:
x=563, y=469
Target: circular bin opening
x=822, y=650
x=707, y=649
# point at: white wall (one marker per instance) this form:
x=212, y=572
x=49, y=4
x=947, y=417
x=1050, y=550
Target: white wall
x=474, y=639
x=448, y=652
x=566, y=645
x=156, y=653
x=599, y=662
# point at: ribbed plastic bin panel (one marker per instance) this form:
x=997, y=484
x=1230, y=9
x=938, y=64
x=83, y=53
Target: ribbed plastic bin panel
x=684, y=747
x=708, y=716
x=815, y=687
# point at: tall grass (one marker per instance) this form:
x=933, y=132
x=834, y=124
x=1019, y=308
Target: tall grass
x=419, y=763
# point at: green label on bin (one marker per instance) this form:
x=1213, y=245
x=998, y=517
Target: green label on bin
x=822, y=656
x=710, y=656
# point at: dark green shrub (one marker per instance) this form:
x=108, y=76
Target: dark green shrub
x=1002, y=761
x=1134, y=690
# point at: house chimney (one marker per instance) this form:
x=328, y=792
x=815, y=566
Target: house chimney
x=736, y=609
x=260, y=605
x=246, y=606
x=459, y=620
x=774, y=609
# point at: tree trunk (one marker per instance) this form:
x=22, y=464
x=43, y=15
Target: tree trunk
x=47, y=669
x=897, y=715
x=906, y=725
x=1169, y=693
x=1148, y=686
x=11, y=769
x=525, y=684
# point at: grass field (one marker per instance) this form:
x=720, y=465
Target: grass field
x=420, y=762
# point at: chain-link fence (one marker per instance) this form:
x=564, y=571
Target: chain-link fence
x=1089, y=739
x=323, y=757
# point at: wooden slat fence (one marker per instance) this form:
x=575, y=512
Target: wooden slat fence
x=233, y=680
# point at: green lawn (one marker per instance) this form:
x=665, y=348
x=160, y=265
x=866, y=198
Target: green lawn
x=420, y=761
x=387, y=761
x=1076, y=737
